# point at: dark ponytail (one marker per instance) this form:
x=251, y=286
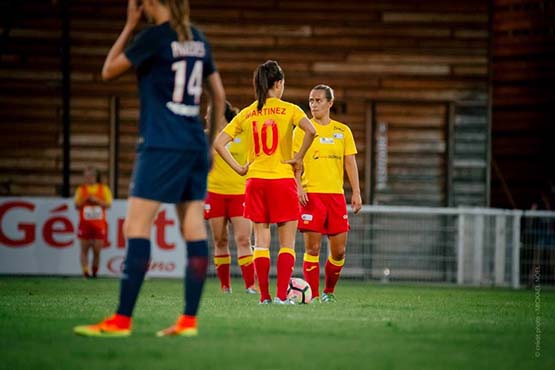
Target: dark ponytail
x=230, y=111
x=179, y=18
x=265, y=76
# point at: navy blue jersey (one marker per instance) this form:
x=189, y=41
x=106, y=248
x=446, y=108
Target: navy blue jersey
x=170, y=74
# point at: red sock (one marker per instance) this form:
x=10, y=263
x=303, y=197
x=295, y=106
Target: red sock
x=311, y=272
x=262, y=267
x=247, y=268
x=285, y=266
x=94, y=271
x=222, y=263
x=333, y=270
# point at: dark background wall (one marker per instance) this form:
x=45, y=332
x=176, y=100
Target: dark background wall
x=413, y=77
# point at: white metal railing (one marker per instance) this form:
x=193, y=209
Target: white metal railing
x=465, y=246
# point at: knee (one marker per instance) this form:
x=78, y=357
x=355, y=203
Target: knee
x=312, y=249
x=243, y=240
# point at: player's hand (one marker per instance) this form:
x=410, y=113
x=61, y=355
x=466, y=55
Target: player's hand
x=134, y=13
x=303, y=197
x=356, y=203
x=242, y=170
x=93, y=199
x=296, y=162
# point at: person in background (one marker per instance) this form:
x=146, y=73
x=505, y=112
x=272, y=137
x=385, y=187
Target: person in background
x=224, y=205
x=173, y=61
x=321, y=194
x=271, y=190
x=91, y=200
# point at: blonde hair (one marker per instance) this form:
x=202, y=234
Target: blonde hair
x=179, y=18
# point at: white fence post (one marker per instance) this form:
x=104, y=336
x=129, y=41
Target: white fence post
x=516, y=251
x=500, y=246
x=478, y=249
x=460, y=249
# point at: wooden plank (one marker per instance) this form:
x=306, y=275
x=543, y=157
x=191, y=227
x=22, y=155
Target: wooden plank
x=413, y=17
x=399, y=69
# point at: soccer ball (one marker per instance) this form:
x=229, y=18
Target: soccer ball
x=299, y=291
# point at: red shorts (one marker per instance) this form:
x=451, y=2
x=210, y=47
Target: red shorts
x=271, y=200
x=224, y=205
x=325, y=214
x=92, y=230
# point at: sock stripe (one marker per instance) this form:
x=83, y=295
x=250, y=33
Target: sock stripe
x=261, y=253
x=290, y=251
x=336, y=263
x=222, y=260
x=310, y=258
x=245, y=260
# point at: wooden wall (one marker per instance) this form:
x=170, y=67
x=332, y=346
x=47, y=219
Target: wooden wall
x=523, y=80
x=397, y=53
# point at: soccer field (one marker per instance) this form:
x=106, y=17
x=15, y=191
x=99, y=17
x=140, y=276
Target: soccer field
x=372, y=326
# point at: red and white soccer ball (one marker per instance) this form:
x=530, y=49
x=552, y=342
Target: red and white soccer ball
x=299, y=291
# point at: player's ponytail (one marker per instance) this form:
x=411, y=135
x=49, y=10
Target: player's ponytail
x=230, y=111
x=179, y=18
x=265, y=76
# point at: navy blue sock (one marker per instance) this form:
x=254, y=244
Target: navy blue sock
x=195, y=274
x=136, y=266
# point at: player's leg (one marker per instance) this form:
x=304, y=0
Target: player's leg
x=222, y=258
x=286, y=257
x=194, y=232
x=261, y=256
x=138, y=222
x=191, y=210
x=311, y=261
x=84, y=257
x=242, y=233
x=334, y=265
x=97, y=247
x=338, y=226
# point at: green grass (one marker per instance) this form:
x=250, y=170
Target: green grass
x=371, y=327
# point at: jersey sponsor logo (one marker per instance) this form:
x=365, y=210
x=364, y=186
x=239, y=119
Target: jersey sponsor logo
x=306, y=217
x=338, y=128
x=183, y=110
x=91, y=213
x=326, y=140
x=237, y=140
x=338, y=135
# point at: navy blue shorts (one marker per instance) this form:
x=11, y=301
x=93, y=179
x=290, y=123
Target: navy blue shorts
x=170, y=176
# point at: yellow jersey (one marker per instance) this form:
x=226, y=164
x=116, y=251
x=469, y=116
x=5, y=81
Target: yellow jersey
x=325, y=159
x=269, y=137
x=93, y=190
x=222, y=179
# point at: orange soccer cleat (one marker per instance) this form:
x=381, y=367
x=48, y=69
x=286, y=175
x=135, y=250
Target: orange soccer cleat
x=186, y=326
x=114, y=326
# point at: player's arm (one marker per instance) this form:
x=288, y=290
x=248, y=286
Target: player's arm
x=220, y=146
x=309, y=135
x=352, y=174
x=215, y=89
x=303, y=197
x=79, y=200
x=116, y=62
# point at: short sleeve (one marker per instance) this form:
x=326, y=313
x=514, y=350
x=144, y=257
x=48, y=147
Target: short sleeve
x=209, y=66
x=350, y=146
x=78, y=195
x=143, y=47
x=107, y=195
x=298, y=136
x=234, y=127
x=298, y=114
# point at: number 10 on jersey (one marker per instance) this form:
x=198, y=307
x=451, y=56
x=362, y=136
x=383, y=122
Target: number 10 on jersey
x=261, y=138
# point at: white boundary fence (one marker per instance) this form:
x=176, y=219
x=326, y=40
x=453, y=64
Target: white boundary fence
x=465, y=246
